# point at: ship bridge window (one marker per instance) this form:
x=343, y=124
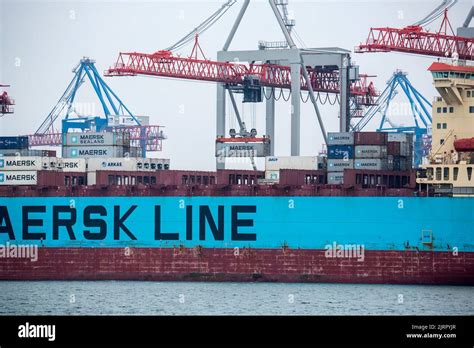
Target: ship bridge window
x=80, y=180
x=446, y=173
x=438, y=173
x=455, y=173
x=119, y=180
x=111, y=179
x=429, y=173
x=184, y=179
x=133, y=180
x=139, y=179
x=469, y=173
x=146, y=180
x=126, y=180
x=205, y=180
x=153, y=180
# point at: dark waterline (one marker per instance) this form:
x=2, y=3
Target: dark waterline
x=196, y=298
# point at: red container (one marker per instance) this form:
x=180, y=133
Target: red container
x=357, y=178
x=302, y=177
x=239, y=177
x=393, y=148
x=370, y=138
x=52, y=178
x=162, y=177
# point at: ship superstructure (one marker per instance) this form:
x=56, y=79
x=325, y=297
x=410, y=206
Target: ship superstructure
x=449, y=171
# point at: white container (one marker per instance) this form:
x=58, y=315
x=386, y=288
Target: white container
x=94, y=151
x=272, y=175
x=291, y=162
x=338, y=165
x=71, y=164
x=370, y=151
x=400, y=137
x=123, y=164
x=242, y=149
x=341, y=138
x=27, y=163
x=126, y=120
x=335, y=178
x=16, y=178
x=373, y=164
x=96, y=139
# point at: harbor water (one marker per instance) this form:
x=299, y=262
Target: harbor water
x=197, y=298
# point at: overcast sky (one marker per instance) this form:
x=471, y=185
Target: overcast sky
x=42, y=41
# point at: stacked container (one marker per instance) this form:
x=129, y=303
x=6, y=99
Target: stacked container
x=96, y=145
x=371, y=151
x=340, y=156
x=24, y=170
x=400, y=151
x=274, y=164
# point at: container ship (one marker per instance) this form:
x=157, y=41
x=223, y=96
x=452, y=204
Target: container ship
x=362, y=212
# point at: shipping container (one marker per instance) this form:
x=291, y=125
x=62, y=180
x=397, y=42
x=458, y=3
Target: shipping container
x=71, y=164
x=94, y=151
x=124, y=164
x=14, y=143
x=28, y=153
x=341, y=138
x=16, y=178
x=28, y=163
x=292, y=162
x=335, y=178
x=272, y=175
x=371, y=163
x=371, y=151
x=126, y=120
x=60, y=178
x=399, y=149
x=340, y=151
x=97, y=139
x=238, y=176
x=400, y=163
x=338, y=165
x=302, y=177
x=242, y=149
x=370, y=138
x=400, y=137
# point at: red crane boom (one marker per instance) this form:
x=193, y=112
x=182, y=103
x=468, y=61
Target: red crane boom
x=414, y=39
x=165, y=64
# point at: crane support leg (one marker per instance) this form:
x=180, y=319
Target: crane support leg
x=345, y=120
x=292, y=45
x=295, y=108
x=220, y=120
x=270, y=119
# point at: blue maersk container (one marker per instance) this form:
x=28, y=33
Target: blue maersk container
x=340, y=152
x=13, y=143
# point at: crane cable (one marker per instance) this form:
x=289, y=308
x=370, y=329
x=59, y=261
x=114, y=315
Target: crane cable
x=201, y=28
x=436, y=13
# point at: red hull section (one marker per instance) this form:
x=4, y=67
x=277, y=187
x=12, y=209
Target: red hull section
x=283, y=265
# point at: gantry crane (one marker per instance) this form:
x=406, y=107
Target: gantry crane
x=257, y=74
x=420, y=113
x=148, y=137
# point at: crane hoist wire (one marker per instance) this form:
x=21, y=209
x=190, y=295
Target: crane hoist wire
x=436, y=13
x=201, y=28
